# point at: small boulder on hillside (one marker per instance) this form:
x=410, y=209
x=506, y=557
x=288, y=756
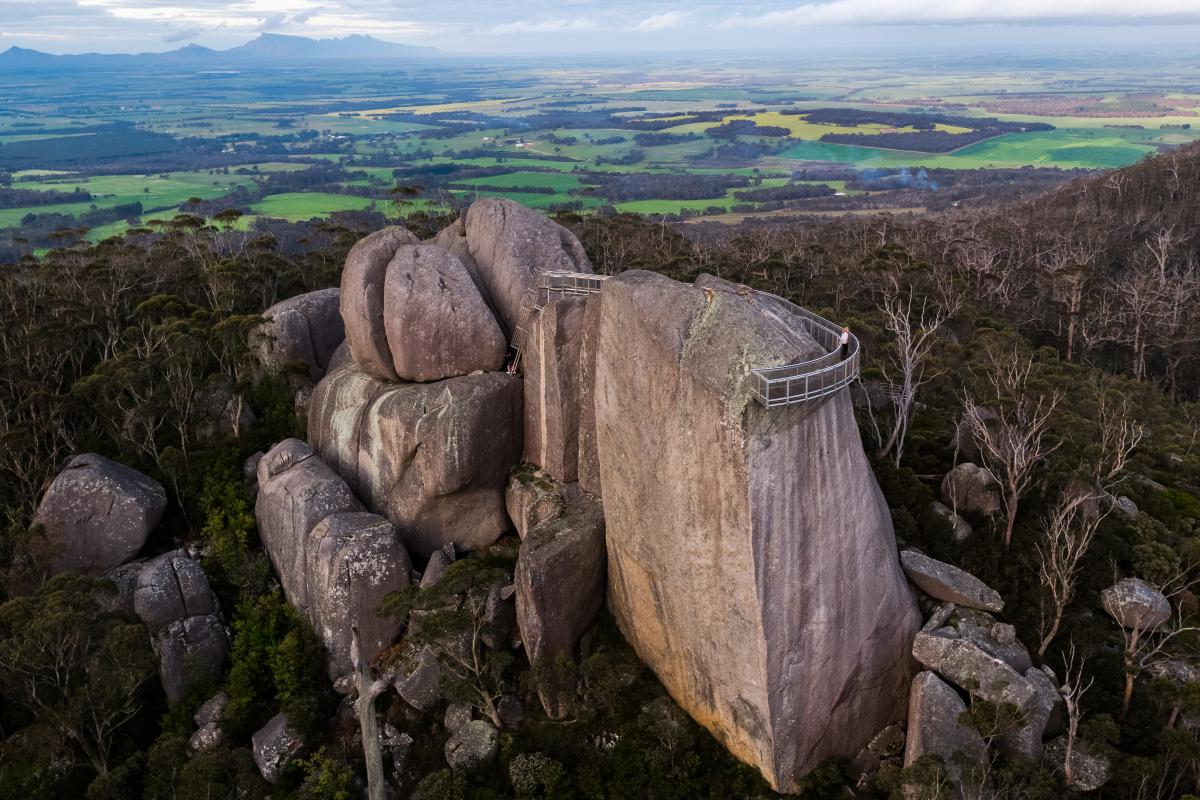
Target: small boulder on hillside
x=437, y=565
x=472, y=746
x=945, y=582
x=960, y=529
x=1133, y=603
x=97, y=514
x=934, y=729
x=274, y=745
x=191, y=652
x=1026, y=740
x=967, y=438
x=300, y=333
x=970, y=487
x=172, y=587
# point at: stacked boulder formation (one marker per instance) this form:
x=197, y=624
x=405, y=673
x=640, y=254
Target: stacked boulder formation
x=747, y=554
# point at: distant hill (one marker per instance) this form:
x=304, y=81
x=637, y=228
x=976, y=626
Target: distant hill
x=268, y=48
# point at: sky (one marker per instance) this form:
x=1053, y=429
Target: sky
x=583, y=26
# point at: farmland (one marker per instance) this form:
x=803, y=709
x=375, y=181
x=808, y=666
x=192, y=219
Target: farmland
x=680, y=138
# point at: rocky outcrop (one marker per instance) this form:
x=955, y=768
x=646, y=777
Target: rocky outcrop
x=97, y=514
x=946, y=582
x=300, y=334
x=362, y=303
x=588, y=468
x=934, y=729
x=208, y=735
x=418, y=677
x=335, y=561
x=510, y=245
x=435, y=568
x=531, y=499
x=274, y=745
x=172, y=587
x=433, y=458
x=552, y=377
x=966, y=664
x=472, y=746
x=191, y=652
x=761, y=581
x=1135, y=604
x=970, y=487
x=560, y=585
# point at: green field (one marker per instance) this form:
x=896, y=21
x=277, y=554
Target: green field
x=296, y=206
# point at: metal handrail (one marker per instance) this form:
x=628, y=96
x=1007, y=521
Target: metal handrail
x=788, y=384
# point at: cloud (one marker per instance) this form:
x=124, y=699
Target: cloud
x=662, y=22
x=969, y=12
x=542, y=26
x=182, y=35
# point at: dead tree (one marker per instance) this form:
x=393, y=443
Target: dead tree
x=1068, y=532
x=1072, y=690
x=369, y=688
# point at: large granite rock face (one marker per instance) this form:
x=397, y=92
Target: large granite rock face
x=357, y=560
x=98, y=513
x=362, y=301
x=1135, y=604
x=588, y=468
x=947, y=582
x=290, y=503
x=511, y=245
x=435, y=321
x=335, y=561
x=551, y=371
x=761, y=581
x=433, y=458
x=934, y=729
x=302, y=330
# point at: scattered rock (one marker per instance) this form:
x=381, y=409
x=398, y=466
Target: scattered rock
x=436, y=323
x=223, y=412
x=888, y=745
x=934, y=709
x=1088, y=771
x=354, y=560
x=949, y=583
x=191, y=652
x=979, y=627
x=1125, y=507
x=510, y=710
x=960, y=529
x=967, y=665
x=438, y=563
x=457, y=715
x=511, y=244
x=362, y=299
x=969, y=487
x=302, y=331
x=1004, y=634
x=206, y=738
x=212, y=710
x=472, y=746
x=98, y=514
x=748, y=568
x=531, y=499
x=433, y=458
x=966, y=440
x=274, y=744
x=172, y=587
x=418, y=678
x=550, y=366
x=126, y=579
x=1135, y=604
x=1026, y=741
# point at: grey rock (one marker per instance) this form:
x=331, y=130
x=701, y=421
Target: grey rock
x=550, y=366
x=499, y=617
x=433, y=458
x=966, y=437
x=125, y=577
x=560, y=580
x=97, y=514
x=300, y=333
x=250, y=468
x=453, y=239
x=354, y=560
x=774, y=611
x=940, y=616
x=1089, y=771
x=1174, y=670
x=223, y=412
x=588, y=469
x=281, y=457
x=1026, y=741
x=418, y=678
x=212, y=710
x=207, y=737
x=949, y=583
x=472, y=746
x=436, y=323
x=1004, y=634
x=1125, y=507
x=960, y=529
x=1133, y=603
x=457, y=715
x=510, y=245
x=191, y=652
x=171, y=587
x=980, y=627
x=934, y=729
x=288, y=508
x=274, y=745
x=887, y=746
x=362, y=299
x=437, y=565
x=967, y=665
x=510, y=710
x=970, y=487
x=531, y=499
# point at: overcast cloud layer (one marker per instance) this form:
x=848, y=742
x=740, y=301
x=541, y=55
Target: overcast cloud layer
x=536, y=26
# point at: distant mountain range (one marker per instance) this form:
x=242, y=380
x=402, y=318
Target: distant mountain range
x=267, y=49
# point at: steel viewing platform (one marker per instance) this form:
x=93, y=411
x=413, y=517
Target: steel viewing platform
x=801, y=382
